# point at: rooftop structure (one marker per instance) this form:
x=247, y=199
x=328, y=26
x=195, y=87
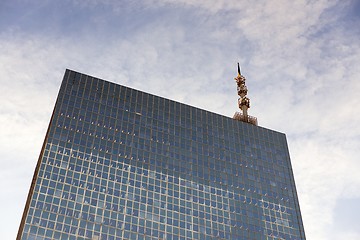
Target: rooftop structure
x=243, y=101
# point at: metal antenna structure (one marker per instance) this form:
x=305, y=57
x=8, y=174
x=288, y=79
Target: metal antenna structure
x=243, y=101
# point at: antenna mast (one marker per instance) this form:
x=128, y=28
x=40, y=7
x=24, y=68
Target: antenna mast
x=243, y=101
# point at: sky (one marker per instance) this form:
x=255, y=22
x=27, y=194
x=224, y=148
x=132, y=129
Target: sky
x=301, y=60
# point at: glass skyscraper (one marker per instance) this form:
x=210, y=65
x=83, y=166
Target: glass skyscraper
x=118, y=163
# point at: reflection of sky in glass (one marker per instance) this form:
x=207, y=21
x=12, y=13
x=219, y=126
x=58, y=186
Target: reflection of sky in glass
x=122, y=164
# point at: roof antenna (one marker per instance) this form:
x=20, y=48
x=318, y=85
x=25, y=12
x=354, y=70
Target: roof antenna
x=243, y=101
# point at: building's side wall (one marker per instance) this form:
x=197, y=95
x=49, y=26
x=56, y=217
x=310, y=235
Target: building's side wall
x=36, y=172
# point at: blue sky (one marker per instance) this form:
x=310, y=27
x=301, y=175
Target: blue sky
x=301, y=60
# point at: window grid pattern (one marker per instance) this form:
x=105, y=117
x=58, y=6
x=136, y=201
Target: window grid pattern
x=123, y=164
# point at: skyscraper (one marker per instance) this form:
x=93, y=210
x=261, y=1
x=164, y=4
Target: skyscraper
x=118, y=163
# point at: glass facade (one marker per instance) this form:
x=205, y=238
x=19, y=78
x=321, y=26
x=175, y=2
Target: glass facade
x=118, y=163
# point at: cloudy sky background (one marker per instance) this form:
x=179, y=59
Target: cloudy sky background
x=301, y=59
